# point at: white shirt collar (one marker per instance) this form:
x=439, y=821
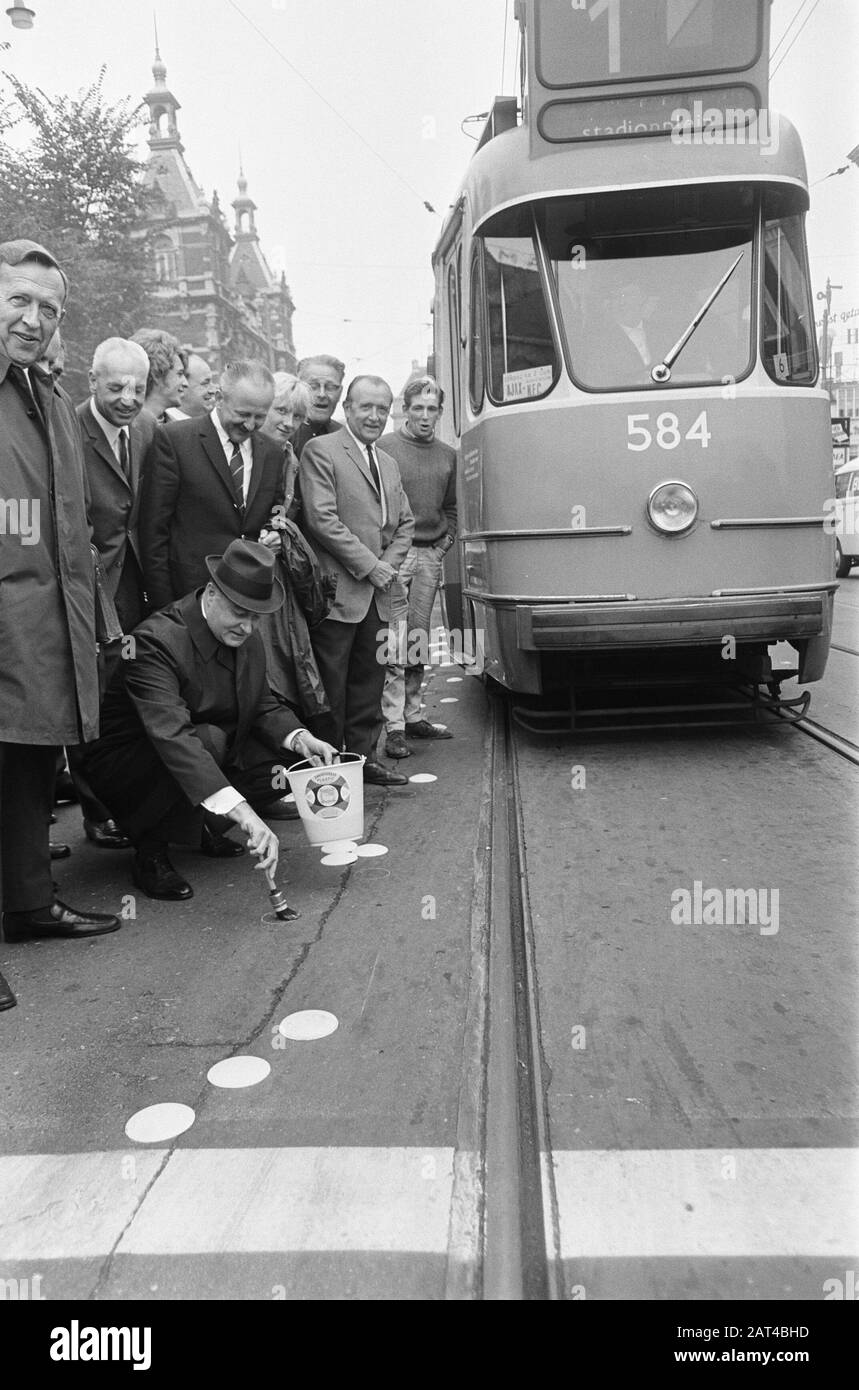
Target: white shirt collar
x=246, y=445
x=111, y=431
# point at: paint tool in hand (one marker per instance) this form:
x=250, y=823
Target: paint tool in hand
x=280, y=906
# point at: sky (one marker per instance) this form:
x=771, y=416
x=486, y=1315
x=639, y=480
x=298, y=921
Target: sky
x=347, y=116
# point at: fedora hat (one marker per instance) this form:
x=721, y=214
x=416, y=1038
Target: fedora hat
x=245, y=573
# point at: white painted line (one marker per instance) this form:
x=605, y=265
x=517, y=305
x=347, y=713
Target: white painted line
x=707, y=1203
x=225, y=1201
x=56, y=1205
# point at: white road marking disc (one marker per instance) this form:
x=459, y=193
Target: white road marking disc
x=338, y=860
x=423, y=777
x=308, y=1025
x=371, y=851
x=235, y=1072
x=454, y=680
x=159, y=1122
x=338, y=846
x=449, y=700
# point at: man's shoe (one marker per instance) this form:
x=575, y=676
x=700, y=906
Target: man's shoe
x=106, y=834
x=60, y=851
x=422, y=728
x=219, y=846
x=154, y=873
x=395, y=745
x=279, y=810
x=7, y=998
x=378, y=776
x=58, y=920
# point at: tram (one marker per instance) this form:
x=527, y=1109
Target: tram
x=624, y=329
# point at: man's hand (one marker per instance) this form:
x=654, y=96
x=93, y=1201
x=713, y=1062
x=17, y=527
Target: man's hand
x=382, y=575
x=314, y=750
x=261, y=841
x=271, y=539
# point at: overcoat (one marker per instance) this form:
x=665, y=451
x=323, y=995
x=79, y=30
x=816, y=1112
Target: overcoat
x=48, y=669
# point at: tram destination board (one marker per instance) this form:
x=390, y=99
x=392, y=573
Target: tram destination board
x=584, y=43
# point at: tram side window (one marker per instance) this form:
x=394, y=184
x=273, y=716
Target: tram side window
x=454, y=331
x=522, y=358
x=475, y=353
x=789, y=349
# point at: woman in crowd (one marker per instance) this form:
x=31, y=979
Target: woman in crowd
x=288, y=412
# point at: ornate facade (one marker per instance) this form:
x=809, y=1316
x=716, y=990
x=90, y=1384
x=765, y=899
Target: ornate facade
x=214, y=291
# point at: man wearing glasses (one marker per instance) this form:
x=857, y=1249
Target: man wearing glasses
x=323, y=376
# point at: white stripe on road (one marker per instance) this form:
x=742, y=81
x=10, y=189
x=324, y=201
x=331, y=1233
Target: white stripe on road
x=657, y=1203
x=211, y=1201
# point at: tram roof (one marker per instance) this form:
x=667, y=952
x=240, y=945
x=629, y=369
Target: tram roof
x=503, y=172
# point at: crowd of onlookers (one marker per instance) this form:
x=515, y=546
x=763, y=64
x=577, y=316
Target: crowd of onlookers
x=222, y=579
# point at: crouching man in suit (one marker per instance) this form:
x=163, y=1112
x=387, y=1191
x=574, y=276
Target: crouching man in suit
x=192, y=736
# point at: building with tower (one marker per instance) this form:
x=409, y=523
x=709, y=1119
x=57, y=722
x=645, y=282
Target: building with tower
x=214, y=291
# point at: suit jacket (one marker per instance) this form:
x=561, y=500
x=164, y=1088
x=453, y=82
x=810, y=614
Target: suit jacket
x=179, y=679
x=188, y=508
x=114, y=505
x=343, y=518
x=306, y=432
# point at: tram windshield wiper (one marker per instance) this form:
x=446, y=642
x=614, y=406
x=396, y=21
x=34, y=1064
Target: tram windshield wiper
x=661, y=372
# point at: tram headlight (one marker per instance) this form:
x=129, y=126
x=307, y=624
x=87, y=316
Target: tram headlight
x=672, y=508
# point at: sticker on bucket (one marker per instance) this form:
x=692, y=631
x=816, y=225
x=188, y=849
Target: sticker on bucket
x=328, y=794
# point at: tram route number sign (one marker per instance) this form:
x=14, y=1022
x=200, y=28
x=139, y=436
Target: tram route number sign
x=586, y=42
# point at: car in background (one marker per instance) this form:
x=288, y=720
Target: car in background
x=845, y=517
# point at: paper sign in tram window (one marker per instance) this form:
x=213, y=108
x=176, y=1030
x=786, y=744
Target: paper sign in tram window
x=531, y=381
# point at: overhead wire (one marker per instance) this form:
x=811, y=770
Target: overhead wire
x=331, y=107
x=794, y=39
x=777, y=45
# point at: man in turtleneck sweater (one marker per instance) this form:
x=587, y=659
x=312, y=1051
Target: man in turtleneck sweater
x=428, y=471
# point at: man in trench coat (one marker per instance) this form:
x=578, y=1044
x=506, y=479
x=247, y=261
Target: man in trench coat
x=48, y=672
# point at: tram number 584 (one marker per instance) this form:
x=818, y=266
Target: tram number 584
x=668, y=433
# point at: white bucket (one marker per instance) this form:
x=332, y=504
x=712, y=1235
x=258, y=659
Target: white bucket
x=330, y=800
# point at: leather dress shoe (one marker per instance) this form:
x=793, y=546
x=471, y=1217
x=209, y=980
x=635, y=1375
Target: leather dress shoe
x=60, y=851
x=395, y=745
x=422, y=728
x=59, y=920
x=106, y=834
x=378, y=776
x=7, y=998
x=153, y=872
x=218, y=846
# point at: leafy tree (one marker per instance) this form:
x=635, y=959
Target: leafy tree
x=74, y=185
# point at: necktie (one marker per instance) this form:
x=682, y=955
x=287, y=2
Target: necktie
x=21, y=380
x=237, y=469
x=124, y=460
x=374, y=469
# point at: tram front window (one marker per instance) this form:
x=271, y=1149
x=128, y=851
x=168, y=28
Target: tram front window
x=633, y=273
x=522, y=358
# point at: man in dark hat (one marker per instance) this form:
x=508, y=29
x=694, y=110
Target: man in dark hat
x=192, y=736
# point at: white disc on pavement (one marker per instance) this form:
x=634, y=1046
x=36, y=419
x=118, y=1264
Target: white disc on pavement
x=449, y=700
x=338, y=846
x=159, y=1122
x=337, y=860
x=307, y=1025
x=235, y=1072
x=423, y=777
x=371, y=851
x=454, y=680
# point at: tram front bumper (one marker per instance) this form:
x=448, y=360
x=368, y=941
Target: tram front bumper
x=673, y=622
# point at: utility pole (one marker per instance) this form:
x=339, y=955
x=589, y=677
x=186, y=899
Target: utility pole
x=825, y=341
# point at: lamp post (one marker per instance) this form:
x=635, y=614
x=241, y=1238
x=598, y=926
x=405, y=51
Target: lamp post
x=20, y=15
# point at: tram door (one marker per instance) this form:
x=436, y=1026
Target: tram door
x=449, y=368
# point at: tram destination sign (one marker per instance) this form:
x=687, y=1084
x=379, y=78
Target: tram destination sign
x=727, y=115
x=585, y=43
